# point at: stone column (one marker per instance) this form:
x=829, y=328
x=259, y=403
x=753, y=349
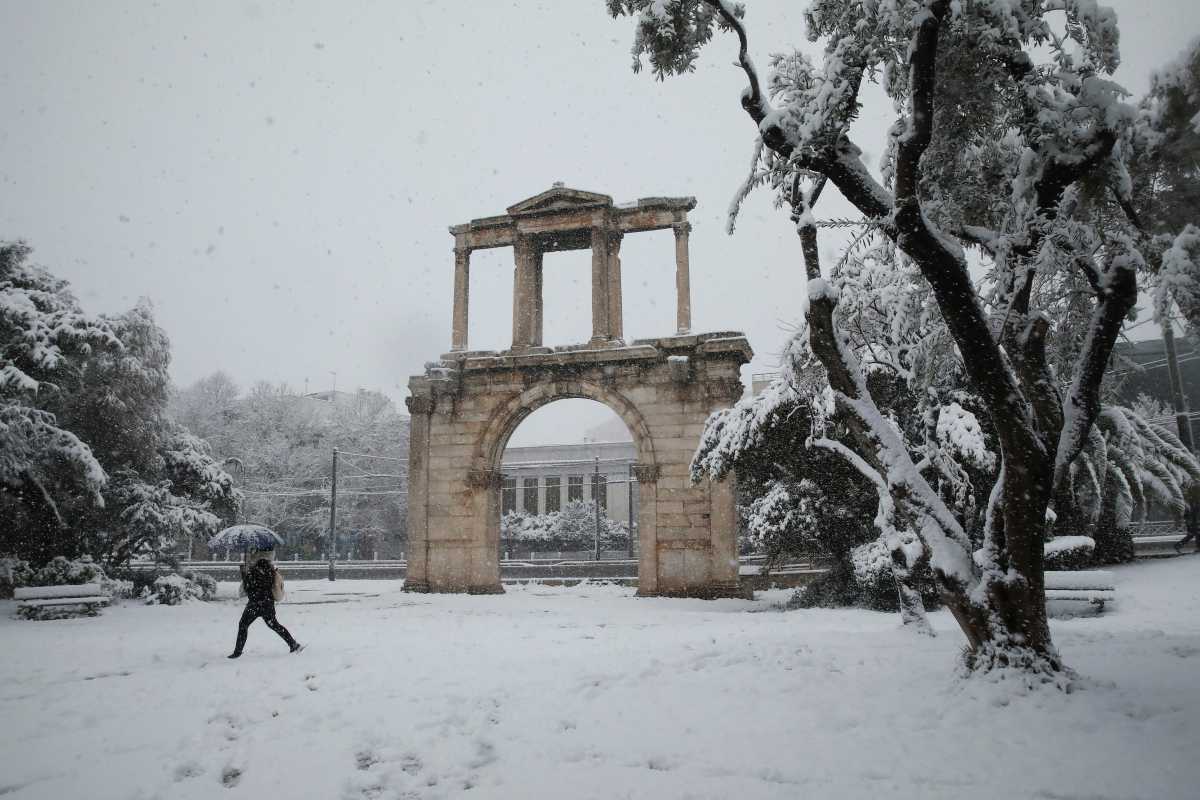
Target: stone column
x=483, y=568
x=527, y=294
x=601, y=330
x=683, y=281
x=537, y=332
x=616, y=322
x=723, y=524
x=647, y=478
x=462, y=289
x=416, y=577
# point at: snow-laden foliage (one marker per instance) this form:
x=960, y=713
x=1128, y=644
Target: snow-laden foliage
x=14, y=573
x=89, y=462
x=796, y=500
x=1165, y=168
x=43, y=332
x=177, y=588
x=1069, y=552
x=1005, y=115
x=1178, y=279
x=958, y=431
x=731, y=433
x=571, y=528
x=785, y=511
x=1138, y=464
x=154, y=520
x=278, y=444
x=60, y=571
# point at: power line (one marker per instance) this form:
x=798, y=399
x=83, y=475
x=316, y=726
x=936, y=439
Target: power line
x=1154, y=365
x=563, y=462
x=324, y=493
x=368, y=455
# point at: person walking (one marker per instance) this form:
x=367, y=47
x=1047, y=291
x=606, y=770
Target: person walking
x=259, y=583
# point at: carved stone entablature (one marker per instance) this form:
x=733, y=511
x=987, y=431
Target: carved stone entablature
x=646, y=473
x=419, y=405
x=728, y=390
x=485, y=478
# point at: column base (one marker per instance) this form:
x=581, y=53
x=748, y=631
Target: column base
x=711, y=592
x=423, y=587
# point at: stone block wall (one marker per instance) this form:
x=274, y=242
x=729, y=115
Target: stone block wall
x=664, y=389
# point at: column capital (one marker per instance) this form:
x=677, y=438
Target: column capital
x=485, y=478
x=682, y=228
x=419, y=405
x=462, y=251
x=646, y=473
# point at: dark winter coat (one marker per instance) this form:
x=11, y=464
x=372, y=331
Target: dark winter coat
x=259, y=580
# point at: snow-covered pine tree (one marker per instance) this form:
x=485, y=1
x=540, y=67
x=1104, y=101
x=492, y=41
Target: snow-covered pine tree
x=165, y=488
x=43, y=333
x=987, y=151
x=89, y=463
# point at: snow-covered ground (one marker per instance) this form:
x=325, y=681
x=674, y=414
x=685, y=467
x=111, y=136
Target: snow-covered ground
x=590, y=692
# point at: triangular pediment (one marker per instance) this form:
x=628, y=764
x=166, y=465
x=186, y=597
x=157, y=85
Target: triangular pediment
x=560, y=198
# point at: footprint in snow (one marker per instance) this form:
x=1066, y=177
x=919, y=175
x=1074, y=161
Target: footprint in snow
x=230, y=776
x=365, y=759
x=188, y=769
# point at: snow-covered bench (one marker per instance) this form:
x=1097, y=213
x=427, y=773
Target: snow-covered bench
x=1078, y=593
x=59, y=602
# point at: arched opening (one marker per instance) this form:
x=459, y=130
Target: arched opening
x=568, y=490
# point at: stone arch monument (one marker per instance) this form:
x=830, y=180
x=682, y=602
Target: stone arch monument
x=465, y=407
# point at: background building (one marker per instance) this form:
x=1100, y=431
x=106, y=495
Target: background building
x=542, y=479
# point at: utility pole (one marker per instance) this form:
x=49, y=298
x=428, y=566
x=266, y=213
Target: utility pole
x=596, y=503
x=1183, y=424
x=333, y=518
x=629, y=494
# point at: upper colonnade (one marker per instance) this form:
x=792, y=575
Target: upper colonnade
x=569, y=219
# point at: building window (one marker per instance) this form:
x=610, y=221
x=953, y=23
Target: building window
x=553, y=493
x=600, y=490
x=529, y=492
x=574, y=488
x=508, y=495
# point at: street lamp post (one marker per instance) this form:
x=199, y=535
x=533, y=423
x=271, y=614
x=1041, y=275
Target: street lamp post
x=629, y=495
x=333, y=518
x=596, y=504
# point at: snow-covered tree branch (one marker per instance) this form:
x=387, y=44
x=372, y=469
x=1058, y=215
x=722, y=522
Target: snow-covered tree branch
x=990, y=149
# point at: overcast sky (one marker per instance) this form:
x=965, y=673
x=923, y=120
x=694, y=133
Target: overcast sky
x=278, y=177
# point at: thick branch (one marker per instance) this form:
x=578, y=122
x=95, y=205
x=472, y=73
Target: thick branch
x=1083, y=401
x=944, y=265
x=753, y=99
x=923, y=82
